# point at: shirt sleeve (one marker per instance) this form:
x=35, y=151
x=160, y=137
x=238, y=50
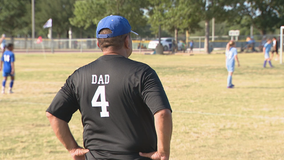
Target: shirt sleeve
x=274, y=43
x=65, y=102
x=265, y=45
x=235, y=52
x=153, y=92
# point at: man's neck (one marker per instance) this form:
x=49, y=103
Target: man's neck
x=116, y=52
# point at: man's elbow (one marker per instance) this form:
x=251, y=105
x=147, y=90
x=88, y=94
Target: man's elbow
x=165, y=113
x=49, y=115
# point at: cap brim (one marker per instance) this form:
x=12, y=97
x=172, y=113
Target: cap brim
x=135, y=33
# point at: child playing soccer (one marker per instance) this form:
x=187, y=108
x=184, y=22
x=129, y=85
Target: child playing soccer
x=8, y=61
x=275, y=48
x=2, y=43
x=231, y=56
x=266, y=50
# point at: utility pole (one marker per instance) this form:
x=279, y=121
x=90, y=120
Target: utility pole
x=159, y=48
x=251, y=31
x=213, y=29
x=33, y=22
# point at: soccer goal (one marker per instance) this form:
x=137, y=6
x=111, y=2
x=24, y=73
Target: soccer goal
x=281, y=44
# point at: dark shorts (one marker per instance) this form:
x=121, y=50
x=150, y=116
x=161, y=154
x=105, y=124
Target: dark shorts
x=6, y=74
x=275, y=50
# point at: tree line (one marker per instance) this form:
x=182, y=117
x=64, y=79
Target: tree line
x=145, y=17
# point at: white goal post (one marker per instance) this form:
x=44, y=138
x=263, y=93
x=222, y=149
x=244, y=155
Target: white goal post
x=281, y=44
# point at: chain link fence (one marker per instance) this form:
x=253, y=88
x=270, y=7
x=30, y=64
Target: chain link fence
x=139, y=44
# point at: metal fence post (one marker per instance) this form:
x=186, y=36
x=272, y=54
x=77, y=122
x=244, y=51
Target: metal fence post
x=81, y=46
x=199, y=44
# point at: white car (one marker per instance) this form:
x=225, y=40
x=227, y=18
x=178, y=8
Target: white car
x=166, y=42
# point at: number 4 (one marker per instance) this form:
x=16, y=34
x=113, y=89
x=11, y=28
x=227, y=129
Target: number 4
x=101, y=91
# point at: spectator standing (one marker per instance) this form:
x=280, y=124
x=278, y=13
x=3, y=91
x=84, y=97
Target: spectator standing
x=125, y=111
x=191, y=44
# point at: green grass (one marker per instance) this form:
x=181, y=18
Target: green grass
x=210, y=121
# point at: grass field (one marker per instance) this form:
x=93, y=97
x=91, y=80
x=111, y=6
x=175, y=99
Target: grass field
x=210, y=121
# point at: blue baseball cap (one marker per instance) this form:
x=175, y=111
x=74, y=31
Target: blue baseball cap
x=117, y=24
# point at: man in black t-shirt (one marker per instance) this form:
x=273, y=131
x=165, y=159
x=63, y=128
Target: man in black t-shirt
x=125, y=112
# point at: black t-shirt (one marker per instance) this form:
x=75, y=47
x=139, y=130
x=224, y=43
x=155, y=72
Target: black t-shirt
x=117, y=98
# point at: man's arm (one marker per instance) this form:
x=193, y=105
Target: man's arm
x=163, y=125
x=62, y=132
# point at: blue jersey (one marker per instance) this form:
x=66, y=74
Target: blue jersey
x=8, y=57
x=3, y=43
x=230, y=56
x=190, y=44
x=267, y=47
x=230, y=59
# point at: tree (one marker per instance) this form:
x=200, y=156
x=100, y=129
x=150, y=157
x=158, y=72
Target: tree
x=181, y=16
x=208, y=9
x=89, y=12
x=157, y=14
x=13, y=17
x=184, y=15
x=264, y=15
x=59, y=11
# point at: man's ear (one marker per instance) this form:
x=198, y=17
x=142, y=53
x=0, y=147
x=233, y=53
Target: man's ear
x=98, y=44
x=126, y=42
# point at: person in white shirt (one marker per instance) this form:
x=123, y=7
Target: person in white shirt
x=275, y=49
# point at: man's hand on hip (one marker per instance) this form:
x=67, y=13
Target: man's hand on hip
x=154, y=156
x=78, y=153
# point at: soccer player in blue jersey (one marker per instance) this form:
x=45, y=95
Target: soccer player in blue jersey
x=266, y=50
x=8, y=61
x=231, y=56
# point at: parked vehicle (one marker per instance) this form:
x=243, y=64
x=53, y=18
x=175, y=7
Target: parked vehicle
x=166, y=42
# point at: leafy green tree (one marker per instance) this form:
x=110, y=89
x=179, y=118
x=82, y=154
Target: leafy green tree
x=208, y=9
x=186, y=14
x=181, y=17
x=59, y=11
x=264, y=15
x=157, y=14
x=13, y=17
x=88, y=12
